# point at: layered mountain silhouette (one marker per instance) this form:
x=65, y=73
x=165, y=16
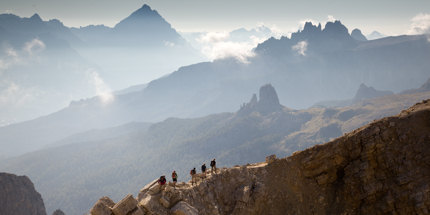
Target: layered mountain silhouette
x=144, y=27
x=47, y=64
x=376, y=169
x=315, y=64
x=121, y=159
x=19, y=30
x=140, y=48
x=40, y=72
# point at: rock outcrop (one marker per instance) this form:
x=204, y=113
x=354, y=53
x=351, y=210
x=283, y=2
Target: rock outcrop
x=268, y=102
x=18, y=196
x=380, y=168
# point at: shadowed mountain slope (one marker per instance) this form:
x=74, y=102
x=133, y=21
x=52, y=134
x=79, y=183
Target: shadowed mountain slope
x=113, y=165
x=380, y=168
x=314, y=64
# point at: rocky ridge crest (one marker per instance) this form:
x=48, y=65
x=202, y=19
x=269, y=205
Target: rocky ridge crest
x=379, y=168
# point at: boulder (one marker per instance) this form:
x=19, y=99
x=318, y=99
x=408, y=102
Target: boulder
x=164, y=201
x=183, y=208
x=107, y=201
x=102, y=207
x=152, y=188
x=125, y=206
x=149, y=201
x=137, y=211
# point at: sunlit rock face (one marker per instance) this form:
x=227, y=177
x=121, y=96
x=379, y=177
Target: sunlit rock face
x=380, y=168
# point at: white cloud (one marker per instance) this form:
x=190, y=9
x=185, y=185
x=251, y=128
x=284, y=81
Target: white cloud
x=237, y=44
x=215, y=45
x=14, y=96
x=330, y=18
x=420, y=24
x=9, y=58
x=239, y=50
x=102, y=89
x=34, y=46
x=10, y=52
x=169, y=44
x=213, y=37
x=301, y=48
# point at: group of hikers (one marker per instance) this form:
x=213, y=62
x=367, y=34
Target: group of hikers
x=162, y=180
x=193, y=172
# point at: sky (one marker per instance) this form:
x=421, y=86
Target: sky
x=390, y=17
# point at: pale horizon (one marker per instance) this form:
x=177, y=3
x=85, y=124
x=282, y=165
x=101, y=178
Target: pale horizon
x=194, y=16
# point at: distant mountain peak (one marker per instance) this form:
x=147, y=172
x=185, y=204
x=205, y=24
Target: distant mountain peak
x=356, y=34
x=365, y=92
x=267, y=103
x=141, y=16
x=36, y=17
x=145, y=7
x=309, y=27
x=375, y=35
x=268, y=95
x=335, y=27
x=145, y=11
x=145, y=26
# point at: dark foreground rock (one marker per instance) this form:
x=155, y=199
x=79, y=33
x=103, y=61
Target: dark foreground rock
x=380, y=168
x=18, y=196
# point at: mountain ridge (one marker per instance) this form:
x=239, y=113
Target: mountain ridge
x=139, y=153
x=365, y=171
x=210, y=87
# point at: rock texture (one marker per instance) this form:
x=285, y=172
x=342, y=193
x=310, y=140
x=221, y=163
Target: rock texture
x=381, y=168
x=18, y=196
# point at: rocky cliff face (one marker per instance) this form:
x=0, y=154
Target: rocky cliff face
x=18, y=196
x=381, y=168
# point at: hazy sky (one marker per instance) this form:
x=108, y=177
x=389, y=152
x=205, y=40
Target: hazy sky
x=391, y=17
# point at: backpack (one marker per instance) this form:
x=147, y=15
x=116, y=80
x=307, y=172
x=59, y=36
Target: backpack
x=212, y=163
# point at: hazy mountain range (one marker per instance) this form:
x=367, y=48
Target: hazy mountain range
x=44, y=65
x=315, y=64
x=119, y=140
x=74, y=172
